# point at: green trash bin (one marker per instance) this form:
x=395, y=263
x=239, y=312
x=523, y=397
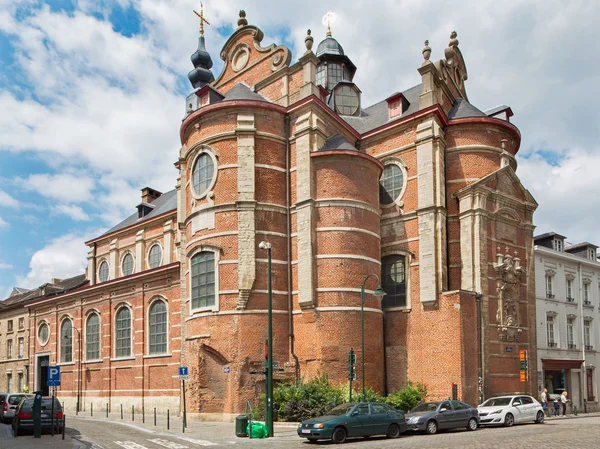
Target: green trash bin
x=241, y=423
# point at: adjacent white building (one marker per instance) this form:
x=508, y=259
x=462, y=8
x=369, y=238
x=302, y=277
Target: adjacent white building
x=567, y=285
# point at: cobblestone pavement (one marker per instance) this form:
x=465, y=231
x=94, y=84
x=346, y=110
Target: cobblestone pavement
x=97, y=433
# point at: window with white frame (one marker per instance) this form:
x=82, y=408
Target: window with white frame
x=154, y=256
x=127, y=265
x=21, y=323
x=587, y=334
x=586, y=293
x=558, y=245
x=391, y=184
x=9, y=349
x=66, y=341
x=43, y=333
x=591, y=254
x=569, y=283
x=203, y=280
x=9, y=383
x=571, y=332
x=550, y=331
x=9, y=326
x=123, y=335
x=103, y=271
x=549, y=289
x=203, y=172
x=92, y=337
x=158, y=328
x=21, y=348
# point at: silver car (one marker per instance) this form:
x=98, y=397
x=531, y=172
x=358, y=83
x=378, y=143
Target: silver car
x=9, y=405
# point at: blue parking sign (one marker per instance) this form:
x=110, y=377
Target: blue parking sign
x=183, y=372
x=53, y=376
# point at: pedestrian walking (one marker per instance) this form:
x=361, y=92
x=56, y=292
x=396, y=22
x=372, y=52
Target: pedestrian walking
x=563, y=400
x=545, y=402
x=556, y=407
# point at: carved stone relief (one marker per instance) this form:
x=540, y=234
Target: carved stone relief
x=509, y=275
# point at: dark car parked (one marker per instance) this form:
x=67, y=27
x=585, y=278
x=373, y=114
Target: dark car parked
x=431, y=416
x=354, y=420
x=23, y=419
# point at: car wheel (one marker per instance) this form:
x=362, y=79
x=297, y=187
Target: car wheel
x=431, y=427
x=472, y=424
x=539, y=418
x=339, y=435
x=509, y=420
x=393, y=431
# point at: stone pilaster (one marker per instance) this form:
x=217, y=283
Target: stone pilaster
x=113, y=260
x=91, y=271
x=139, y=251
x=246, y=206
x=431, y=210
x=167, y=242
x=309, y=71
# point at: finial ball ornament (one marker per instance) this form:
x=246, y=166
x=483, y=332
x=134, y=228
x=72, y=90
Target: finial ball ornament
x=308, y=41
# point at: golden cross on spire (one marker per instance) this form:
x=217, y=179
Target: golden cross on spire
x=202, y=19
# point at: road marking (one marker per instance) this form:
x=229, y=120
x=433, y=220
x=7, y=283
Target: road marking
x=130, y=445
x=198, y=442
x=169, y=444
x=96, y=446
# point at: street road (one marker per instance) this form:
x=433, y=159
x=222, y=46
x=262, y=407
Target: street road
x=580, y=432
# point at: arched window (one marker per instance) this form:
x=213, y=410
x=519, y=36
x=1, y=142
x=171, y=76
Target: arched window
x=203, y=280
x=103, y=272
x=66, y=341
x=127, y=265
x=92, y=337
x=393, y=270
x=202, y=173
x=154, y=256
x=158, y=328
x=123, y=335
x=391, y=184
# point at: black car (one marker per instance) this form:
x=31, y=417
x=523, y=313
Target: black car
x=23, y=419
x=431, y=416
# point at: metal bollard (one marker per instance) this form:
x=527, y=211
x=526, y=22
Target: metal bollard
x=132, y=413
x=92, y=409
x=154, y=416
x=107, y=409
x=168, y=419
x=143, y=415
x=64, y=420
x=121, y=411
x=575, y=410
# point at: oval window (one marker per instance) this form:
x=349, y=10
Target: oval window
x=127, y=266
x=43, y=333
x=391, y=184
x=202, y=173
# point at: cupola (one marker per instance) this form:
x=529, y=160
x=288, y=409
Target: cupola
x=334, y=65
x=201, y=75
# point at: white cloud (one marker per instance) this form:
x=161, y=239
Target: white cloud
x=62, y=187
x=3, y=224
x=62, y=257
x=73, y=211
x=7, y=201
x=4, y=266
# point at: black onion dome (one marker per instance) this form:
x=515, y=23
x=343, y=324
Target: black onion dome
x=329, y=46
x=201, y=75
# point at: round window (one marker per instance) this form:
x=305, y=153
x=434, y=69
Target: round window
x=202, y=173
x=154, y=256
x=391, y=184
x=346, y=100
x=127, y=264
x=43, y=333
x=103, y=272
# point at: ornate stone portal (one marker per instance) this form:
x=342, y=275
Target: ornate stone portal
x=509, y=274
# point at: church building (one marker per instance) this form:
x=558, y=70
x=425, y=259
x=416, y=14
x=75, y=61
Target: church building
x=419, y=189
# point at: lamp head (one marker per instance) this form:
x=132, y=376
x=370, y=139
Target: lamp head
x=379, y=292
x=264, y=245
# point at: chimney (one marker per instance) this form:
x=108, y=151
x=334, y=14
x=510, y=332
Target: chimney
x=149, y=195
x=55, y=280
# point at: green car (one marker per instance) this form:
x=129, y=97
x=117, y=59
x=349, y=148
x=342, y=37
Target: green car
x=354, y=420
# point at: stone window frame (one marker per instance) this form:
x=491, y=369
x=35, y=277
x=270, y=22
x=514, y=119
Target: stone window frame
x=571, y=331
x=590, y=331
x=199, y=151
x=155, y=299
x=63, y=320
x=9, y=349
x=21, y=347
x=400, y=163
x=549, y=283
x=162, y=254
x=555, y=336
x=88, y=315
x=122, y=261
x=102, y=261
x=37, y=334
x=407, y=267
x=120, y=306
x=217, y=254
x=21, y=323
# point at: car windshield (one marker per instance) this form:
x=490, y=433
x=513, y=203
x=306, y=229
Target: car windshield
x=425, y=407
x=340, y=410
x=496, y=402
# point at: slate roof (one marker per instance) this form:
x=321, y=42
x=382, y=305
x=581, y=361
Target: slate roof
x=547, y=235
x=242, y=92
x=497, y=109
x=378, y=114
x=580, y=246
x=337, y=142
x=462, y=108
x=49, y=289
x=164, y=203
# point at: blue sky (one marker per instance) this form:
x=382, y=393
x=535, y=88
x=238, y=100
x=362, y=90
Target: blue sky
x=92, y=95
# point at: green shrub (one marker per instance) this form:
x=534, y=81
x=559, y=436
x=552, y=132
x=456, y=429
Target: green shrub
x=407, y=398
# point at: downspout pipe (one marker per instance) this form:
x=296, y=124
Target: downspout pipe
x=289, y=247
x=478, y=297
x=583, y=382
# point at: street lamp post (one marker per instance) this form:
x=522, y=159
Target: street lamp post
x=379, y=293
x=269, y=367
